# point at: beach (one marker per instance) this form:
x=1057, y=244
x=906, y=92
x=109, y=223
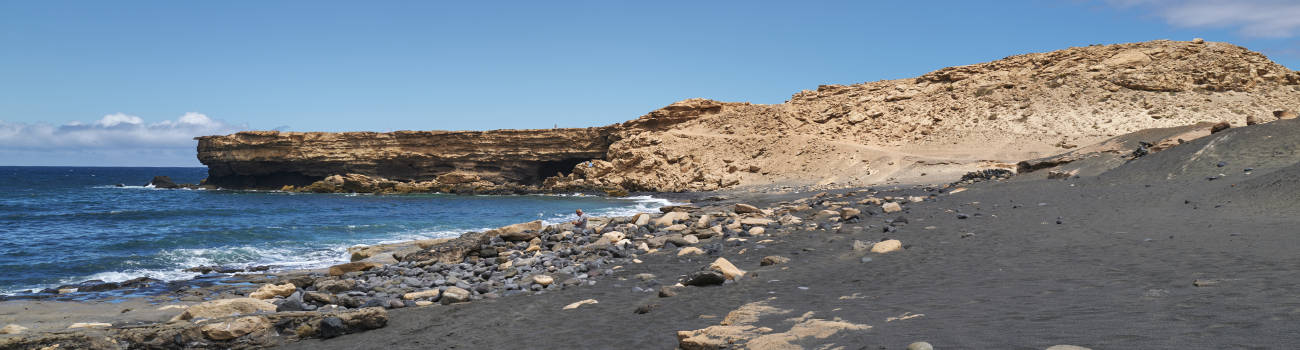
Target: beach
x=1014, y=263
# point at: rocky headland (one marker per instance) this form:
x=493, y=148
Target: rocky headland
x=931, y=128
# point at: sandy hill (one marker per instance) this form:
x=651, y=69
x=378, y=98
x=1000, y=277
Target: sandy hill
x=937, y=126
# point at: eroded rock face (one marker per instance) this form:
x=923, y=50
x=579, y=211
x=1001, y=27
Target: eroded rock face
x=945, y=123
x=272, y=159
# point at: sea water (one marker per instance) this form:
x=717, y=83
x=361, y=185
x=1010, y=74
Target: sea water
x=64, y=225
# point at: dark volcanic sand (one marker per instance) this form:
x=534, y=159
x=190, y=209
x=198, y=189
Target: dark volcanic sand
x=1116, y=273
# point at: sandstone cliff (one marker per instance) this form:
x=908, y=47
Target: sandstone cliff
x=931, y=128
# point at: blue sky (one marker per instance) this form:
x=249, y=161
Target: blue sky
x=129, y=83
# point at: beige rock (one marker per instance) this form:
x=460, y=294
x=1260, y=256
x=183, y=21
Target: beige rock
x=915, y=199
x=424, y=294
x=1285, y=114
x=690, y=239
x=518, y=232
x=79, y=325
x=225, y=307
x=454, y=295
x=423, y=303
x=340, y=269
x=757, y=221
x=704, y=221
x=268, y=291
x=689, y=251
x=887, y=246
x=757, y=230
x=642, y=219
x=891, y=207
x=671, y=218
x=612, y=236
x=675, y=228
x=773, y=260
x=576, y=304
x=727, y=269
x=13, y=329
x=235, y=328
x=848, y=213
x=543, y=280
x=742, y=208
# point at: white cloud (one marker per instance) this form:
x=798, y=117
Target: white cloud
x=1253, y=18
x=119, y=132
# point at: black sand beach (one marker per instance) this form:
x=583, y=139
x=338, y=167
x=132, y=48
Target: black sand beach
x=1118, y=261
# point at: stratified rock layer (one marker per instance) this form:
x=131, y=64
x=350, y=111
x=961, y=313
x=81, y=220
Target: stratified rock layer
x=271, y=159
x=941, y=125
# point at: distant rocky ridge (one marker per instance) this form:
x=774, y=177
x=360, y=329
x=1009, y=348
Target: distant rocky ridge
x=932, y=128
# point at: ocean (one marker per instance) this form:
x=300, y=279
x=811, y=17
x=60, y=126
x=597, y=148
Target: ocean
x=65, y=225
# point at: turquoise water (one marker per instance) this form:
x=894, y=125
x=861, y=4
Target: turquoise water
x=63, y=225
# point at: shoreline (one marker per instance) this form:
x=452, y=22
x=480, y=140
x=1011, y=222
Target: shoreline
x=149, y=286
x=122, y=308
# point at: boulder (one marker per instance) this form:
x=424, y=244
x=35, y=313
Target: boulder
x=13, y=329
x=543, y=280
x=891, y=207
x=704, y=278
x=756, y=230
x=269, y=291
x=849, y=213
x=690, y=251
x=641, y=219
x=424, y=294
x=225, y=307
x=335, y=285
x=758, y=221
x=773, y=260
x=454, y=295
x=887, y=246
x=235, y=328
x=727, y=269
x=519, y=232
x=671, y=218
x=704, y=221
x=340, y=269
x=1220, y=126
x=742, y=208
x=612, y=237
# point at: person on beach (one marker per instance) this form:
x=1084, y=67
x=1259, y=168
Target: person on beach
x=581, y=222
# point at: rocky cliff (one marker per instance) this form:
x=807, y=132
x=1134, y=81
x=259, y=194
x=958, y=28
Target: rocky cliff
x=270, y=159
x=931, y=128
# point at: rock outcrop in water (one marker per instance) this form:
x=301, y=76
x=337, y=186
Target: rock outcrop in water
x=942, y=125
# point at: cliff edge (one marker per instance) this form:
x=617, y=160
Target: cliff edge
x=932, y=128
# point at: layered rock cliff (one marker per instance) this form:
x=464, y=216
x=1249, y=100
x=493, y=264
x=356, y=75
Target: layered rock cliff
x=930, y=128
x=270, y=159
